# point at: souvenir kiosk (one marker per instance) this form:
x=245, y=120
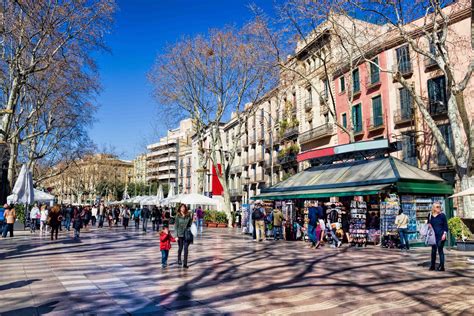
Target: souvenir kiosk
x=371, y=184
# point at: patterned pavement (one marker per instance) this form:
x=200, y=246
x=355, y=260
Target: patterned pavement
x=116, y=272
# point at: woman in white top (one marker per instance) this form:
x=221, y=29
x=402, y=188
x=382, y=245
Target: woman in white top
x=34, y=214
x=402, y=224
x=43, y=218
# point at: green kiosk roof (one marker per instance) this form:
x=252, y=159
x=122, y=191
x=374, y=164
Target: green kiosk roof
x=365, y=177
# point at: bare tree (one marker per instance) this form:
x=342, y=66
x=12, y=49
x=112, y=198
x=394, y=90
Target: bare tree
x=36, y=37
x=210, y=77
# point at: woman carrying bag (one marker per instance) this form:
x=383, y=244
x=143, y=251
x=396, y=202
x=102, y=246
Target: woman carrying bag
x=439, y=224
x=182, y=226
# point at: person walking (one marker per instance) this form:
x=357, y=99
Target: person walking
x=200, y=219
x=402, y=225
x=182, y=222
x=125, y=217
x=54, y=220
x=334, y=221
x=313, y=222
x=258, y=216
x=94, y=212
x=438, y=222
x=68, y=213
x=2, y=217
x=155, y=219
x=43, y=218
x=10, y=217
x=277, y=223
x=102, y=212
x=136, y=217
x=35, y=214
x=165, y=245
x=77, y=217
x=145, y=214
x=109, y=213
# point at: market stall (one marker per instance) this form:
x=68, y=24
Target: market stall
x=373, y=190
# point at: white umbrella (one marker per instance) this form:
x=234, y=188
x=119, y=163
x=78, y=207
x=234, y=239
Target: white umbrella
x=171, y=190
x=466, y=192
x=23, y=188
x=39, y=196
x=193, y=199
x=159, y=193
x=125, y=194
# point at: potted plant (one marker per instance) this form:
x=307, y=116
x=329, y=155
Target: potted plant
x=221, y=219
x=210, y=218
x=462, y=234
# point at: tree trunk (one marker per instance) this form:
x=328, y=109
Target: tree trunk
x=12, y=162
x=227, y=204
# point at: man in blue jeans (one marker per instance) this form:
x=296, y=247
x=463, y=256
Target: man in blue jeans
x=402, y=224
x=313, y=221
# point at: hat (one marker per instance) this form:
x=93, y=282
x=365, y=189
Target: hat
x=165, y=224
x=258, y=202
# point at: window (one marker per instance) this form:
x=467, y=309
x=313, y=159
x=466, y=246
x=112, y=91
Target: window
x=326, y=88
x=344, y=120
x=374, y=71
x=409, y=149
x=355, y=81
x=309, y=101
x=448, y=137
x=357, y=118
x=403, y=60
x=326, y=118
x=437, y=95
x=342, y=84
x=406, y=104
x=377, y=116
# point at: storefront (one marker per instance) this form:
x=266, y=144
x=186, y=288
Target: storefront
x=370, y=192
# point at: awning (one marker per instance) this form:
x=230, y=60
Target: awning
x=322, y=193
x=424, y=188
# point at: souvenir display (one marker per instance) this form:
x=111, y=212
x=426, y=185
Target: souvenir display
x=357, y=223
x=417, y=209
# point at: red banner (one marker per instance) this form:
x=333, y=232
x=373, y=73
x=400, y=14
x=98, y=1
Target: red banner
x=216, y=184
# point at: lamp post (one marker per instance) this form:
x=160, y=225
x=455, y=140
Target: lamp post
x=247, y=179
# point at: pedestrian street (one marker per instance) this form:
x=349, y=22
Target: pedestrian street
x=117, y=272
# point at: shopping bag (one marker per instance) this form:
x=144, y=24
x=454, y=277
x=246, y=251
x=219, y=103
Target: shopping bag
x=194, y=229
x=430, y=237
x=424, y=229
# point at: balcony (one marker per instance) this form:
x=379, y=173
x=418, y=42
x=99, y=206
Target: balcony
x=430, y=64
x=261, y=136
x=319, y=132
x=245, y=160
x=260, y=156
x=403, y=116
x=290, y=132
x=374, y=124
x=244, y=140
x=404, y=68
x=259, y=177
x=308, y=105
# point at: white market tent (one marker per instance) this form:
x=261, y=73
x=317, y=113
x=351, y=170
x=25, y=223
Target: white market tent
x=466, y=192
x=39, y=196
x=23, y=191
x=193, y=199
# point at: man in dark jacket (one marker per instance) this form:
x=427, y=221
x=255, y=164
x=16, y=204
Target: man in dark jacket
x=68, y=216
x=145, y=215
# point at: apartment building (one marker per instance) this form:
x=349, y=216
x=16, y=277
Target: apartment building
x=139, y=169
x=94, y=177
x=163, y=156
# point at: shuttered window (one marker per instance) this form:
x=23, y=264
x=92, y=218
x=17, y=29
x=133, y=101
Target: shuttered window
x=377, y=111
x=357, y=118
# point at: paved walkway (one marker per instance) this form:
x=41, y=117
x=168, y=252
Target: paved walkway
x=115, y=272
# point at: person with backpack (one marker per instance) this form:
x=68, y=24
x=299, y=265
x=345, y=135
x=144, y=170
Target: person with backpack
x=277, y=223
x=165, y=245
x=10, y=217
x=258, y=216
x=182, y=226
x=145, y=214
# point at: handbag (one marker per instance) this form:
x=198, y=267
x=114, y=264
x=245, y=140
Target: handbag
x=188, y=236
x=430, y=239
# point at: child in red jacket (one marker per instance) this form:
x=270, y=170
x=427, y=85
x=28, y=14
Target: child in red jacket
x=165, y=244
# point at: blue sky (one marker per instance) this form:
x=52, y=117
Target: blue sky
x=127, y=117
